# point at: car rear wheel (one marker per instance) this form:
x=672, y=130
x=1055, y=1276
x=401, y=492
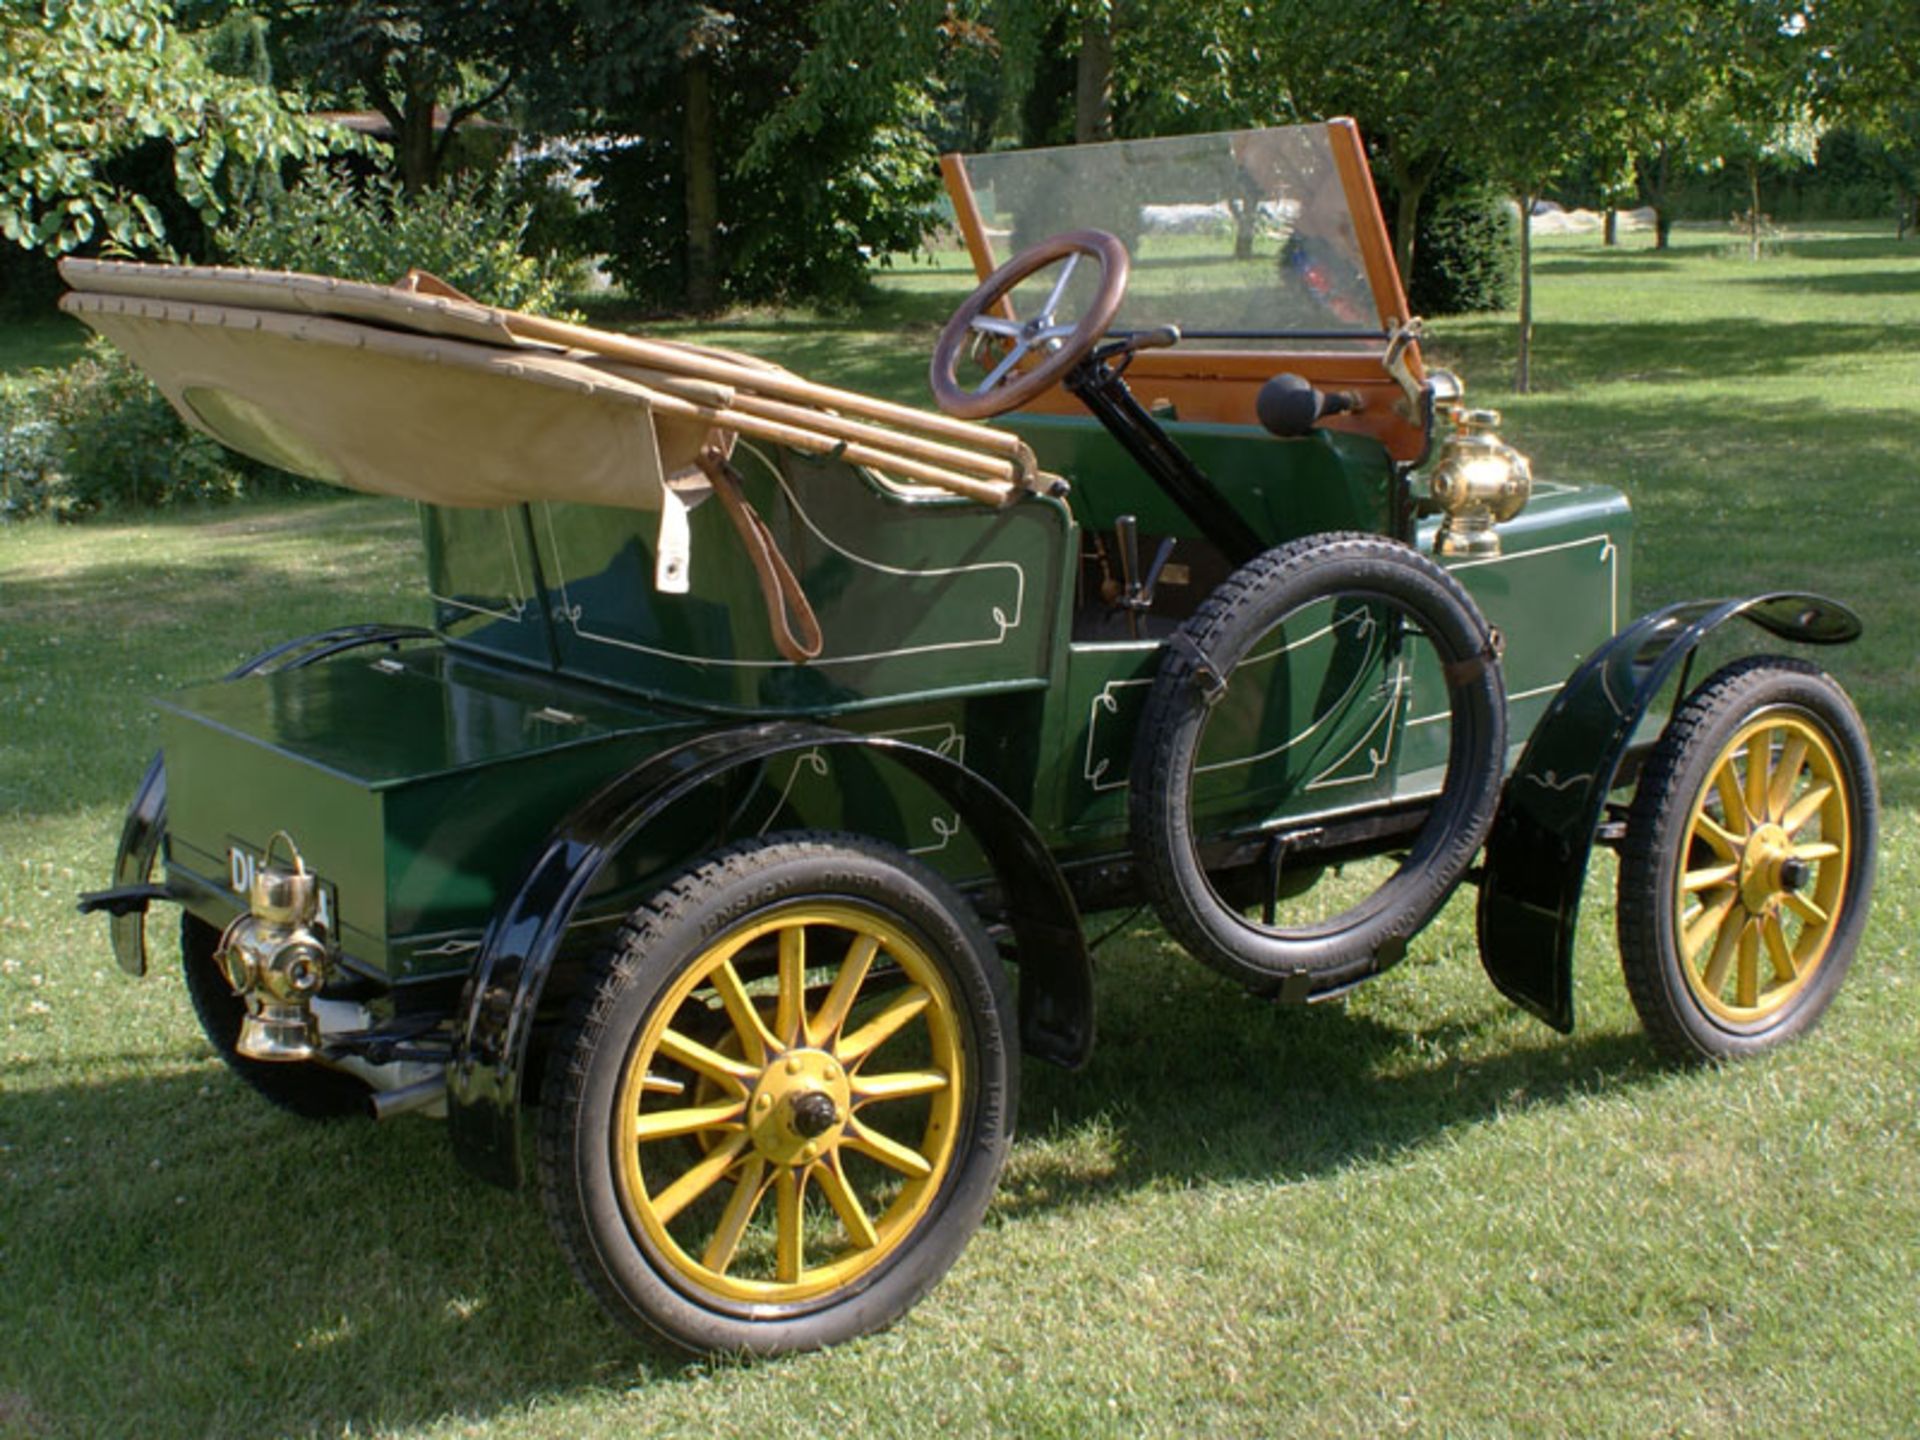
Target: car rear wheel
x=779, y=1111
x=1749, y=857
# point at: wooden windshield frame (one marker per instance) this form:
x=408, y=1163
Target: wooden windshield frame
x=1197, y=383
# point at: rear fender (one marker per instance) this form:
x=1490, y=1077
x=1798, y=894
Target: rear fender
x=524, y=938
x=1536, y=857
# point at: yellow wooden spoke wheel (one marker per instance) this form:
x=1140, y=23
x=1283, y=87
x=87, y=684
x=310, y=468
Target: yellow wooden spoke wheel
x=1749, y=856
x=784, y=1109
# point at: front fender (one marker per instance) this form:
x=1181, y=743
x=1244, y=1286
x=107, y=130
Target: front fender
x=523, y=940
x=1537, y=853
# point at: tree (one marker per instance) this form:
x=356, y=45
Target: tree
x=1568, y=75
x=427, y=66
x=827, y=108
x=90, y=84
x=1871, y=80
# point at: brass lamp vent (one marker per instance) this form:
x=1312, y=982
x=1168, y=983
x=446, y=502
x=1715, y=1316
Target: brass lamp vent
x=1480, y=481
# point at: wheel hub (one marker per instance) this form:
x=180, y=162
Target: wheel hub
x=799, y=1107
x=1763, y=863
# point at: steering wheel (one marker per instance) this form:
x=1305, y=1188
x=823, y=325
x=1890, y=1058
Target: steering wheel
x=1063, y=345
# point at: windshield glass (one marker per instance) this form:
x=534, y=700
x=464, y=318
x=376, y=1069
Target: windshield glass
x=1240, y=237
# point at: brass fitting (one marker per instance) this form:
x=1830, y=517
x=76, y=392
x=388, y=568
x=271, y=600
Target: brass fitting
x=1480, y=481
x=277, y=959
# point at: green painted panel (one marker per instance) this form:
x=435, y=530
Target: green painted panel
x=916, y=593
x=484, y=582
x=1285, y=488
x=1351, y=734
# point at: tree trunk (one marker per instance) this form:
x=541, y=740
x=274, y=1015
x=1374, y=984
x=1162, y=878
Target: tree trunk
x=1753, y=210
x=703, y=185
x=1610, y=232
x=1093, y=79
x=1246, y=222
x=413, y=142
x=1410, y=184
x=1654, y=192
x=1523, y=354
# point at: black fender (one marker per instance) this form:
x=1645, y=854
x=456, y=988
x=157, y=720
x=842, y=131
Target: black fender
x=494, y=1028
x=1536, y=857
x=144, y=831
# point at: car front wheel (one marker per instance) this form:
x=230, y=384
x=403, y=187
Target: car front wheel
x=1748, y=862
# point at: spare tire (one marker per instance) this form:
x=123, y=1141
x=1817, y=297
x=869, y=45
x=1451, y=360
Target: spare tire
x=1324, y=588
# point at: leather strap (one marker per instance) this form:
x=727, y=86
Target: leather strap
x=787, y=605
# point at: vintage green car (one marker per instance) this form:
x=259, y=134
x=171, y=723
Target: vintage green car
x=761, y=726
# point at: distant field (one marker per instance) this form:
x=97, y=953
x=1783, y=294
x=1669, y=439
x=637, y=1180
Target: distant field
x=1415, y=1211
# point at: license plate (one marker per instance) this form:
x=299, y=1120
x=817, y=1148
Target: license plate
x=243, y=863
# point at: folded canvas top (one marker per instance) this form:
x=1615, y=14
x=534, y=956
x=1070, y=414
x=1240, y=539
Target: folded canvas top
x=417, y=391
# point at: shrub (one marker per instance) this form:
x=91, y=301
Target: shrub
x=28, y=472
x=468, y=231
x=1466, y=254
x=111, y=442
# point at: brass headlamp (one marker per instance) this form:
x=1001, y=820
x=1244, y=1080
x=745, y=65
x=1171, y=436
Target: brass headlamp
x=277, y=960
x=1479, y=482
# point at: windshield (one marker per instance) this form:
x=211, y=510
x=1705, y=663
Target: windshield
x=1242, y=237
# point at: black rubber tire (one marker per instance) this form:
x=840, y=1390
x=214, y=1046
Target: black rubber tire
x=1372, y=934
x=610, y=1252
x=1681, y=765
x=310, y=1091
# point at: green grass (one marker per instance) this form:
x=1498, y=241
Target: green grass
x=1414, y=1211
x=44, y=340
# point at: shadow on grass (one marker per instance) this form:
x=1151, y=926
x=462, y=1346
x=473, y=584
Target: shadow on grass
x=1579, y=355
x=1849, y=282
x=1604, y=262
x=1199, y=1082
x=183, y=1253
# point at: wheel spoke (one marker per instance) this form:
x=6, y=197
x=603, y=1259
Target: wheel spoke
x=791, y=1009
x=999, y=372
x=1718, y=836
x=1792, y=756
x=1805, y=908
x=996, y=325
x=877, y=1031
x=652, y=1084
x=1784, y=970
x=660, y=1124
x=1759, y=774
x=846, y=986
x=833, y=1184
x=700, y=1179
x=1816, y=850
x=1732, y=802
x=747, y=1193
x=733, y=1074
x=1806, y=807
x=756, y=1041
x=870, y=1088
x=887, y=1151
x=1713, y=978
x=1709, y=920
x=1709, y=878
x=1747, y=986
x=789, y=1243
x=1059, y=291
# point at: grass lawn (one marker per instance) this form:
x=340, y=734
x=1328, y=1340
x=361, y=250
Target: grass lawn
x=1414, y=1211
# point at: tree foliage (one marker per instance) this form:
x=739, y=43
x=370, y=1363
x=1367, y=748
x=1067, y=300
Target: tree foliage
x=89, y=85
